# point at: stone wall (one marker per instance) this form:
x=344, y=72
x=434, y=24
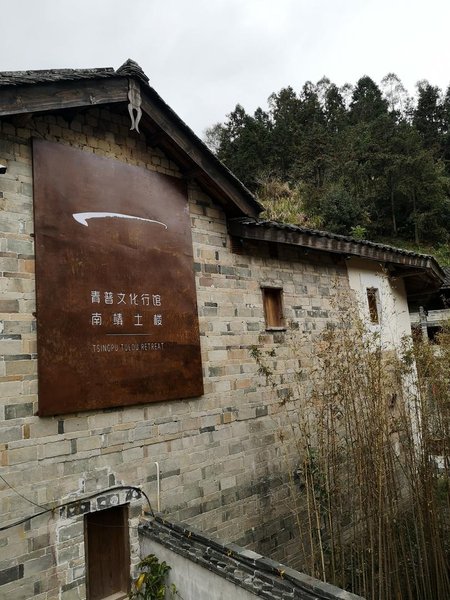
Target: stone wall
x=223, y=466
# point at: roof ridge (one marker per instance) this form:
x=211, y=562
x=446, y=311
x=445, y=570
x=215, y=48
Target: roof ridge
x=131, y=68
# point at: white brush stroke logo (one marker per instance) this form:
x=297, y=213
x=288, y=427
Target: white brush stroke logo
x=83, y=218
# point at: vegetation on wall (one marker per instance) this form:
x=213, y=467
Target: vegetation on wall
x=151, y=582
x=371, y=478
x=364, y=156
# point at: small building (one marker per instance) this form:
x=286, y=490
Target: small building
x=135, y=277
x=430, y=310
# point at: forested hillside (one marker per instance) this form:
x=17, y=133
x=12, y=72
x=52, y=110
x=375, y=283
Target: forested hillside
x=364, y=160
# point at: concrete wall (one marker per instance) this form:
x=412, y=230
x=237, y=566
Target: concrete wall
x=222, y=463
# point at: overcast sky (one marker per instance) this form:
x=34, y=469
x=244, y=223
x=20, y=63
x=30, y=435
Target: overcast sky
x=205, y=56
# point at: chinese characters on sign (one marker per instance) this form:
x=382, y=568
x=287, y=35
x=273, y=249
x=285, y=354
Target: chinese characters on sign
x=138, y=318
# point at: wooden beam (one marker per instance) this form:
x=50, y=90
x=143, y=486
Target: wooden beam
x=31, y=98
x=396, y=274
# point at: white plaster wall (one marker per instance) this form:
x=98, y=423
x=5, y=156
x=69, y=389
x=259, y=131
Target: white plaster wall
x=194, y=582
x=393, y=310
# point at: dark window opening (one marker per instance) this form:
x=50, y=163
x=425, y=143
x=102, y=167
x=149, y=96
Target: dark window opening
x=273, y=307
x=373, y=301
x=273, y=251
x=433, y=332
x=107, y=545
x=236, y=245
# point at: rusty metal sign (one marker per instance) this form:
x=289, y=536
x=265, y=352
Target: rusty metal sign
x=116, y=301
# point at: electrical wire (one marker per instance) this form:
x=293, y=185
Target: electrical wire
x=21, y=495
x=69, y=502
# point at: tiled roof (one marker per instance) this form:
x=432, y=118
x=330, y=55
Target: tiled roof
x=8, y=78
x=326, y=234
x=130, y=68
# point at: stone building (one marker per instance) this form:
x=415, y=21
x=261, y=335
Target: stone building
x=90, y=421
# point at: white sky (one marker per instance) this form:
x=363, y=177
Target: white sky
x=205, y=56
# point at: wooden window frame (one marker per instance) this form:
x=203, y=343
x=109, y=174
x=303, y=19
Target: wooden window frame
x=373, y=301
x=273, y=308
x=115, y=549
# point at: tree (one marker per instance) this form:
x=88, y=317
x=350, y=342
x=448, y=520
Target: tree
x=334, y=109
x=367, y=101
x=340, y=209
x=427, y=187
x=242, y=143
x=313, y=146
x=396, y=95
x=358, y=155
x=445, y=139
x=213, y=137
x=428, y=116
x=284, y=112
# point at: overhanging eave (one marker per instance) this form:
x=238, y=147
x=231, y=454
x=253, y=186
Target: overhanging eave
x=422, y=269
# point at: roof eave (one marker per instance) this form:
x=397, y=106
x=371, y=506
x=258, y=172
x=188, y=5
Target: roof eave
x=58, y=95
x=112, y=88
x=403, y=263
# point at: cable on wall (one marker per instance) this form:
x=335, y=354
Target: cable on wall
x=69, y=502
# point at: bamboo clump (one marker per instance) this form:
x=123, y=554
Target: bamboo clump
x=370, y=471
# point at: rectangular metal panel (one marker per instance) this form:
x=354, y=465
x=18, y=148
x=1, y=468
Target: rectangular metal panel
x=116, y=300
